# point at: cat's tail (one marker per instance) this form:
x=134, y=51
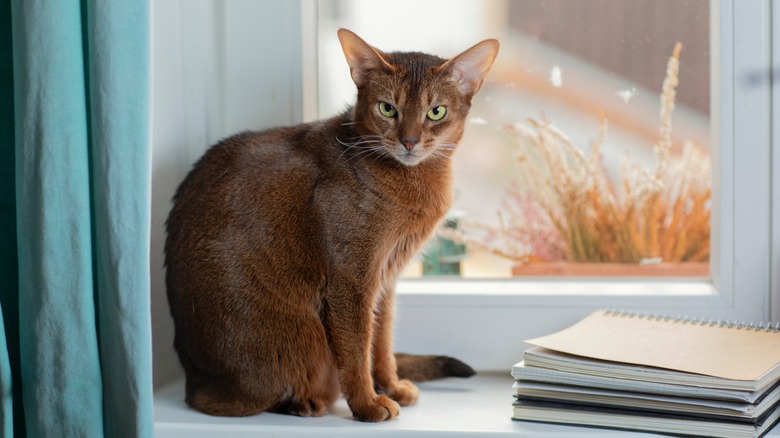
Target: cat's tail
x=419, y=368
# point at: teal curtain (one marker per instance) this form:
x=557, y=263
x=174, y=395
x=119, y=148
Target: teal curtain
x=75, y=350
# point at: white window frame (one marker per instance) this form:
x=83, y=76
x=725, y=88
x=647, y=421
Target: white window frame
x=775, y=215
x=204, y=92
x=485, y=321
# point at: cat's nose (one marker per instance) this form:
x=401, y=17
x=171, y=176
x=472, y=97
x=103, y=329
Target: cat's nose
x=409, y=143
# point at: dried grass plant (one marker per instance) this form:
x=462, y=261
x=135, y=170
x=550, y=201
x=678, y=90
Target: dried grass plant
x=565, y=207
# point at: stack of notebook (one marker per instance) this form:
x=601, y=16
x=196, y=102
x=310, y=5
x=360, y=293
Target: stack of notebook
x=629, y=371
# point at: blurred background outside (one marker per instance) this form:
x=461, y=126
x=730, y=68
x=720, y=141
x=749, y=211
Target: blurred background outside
x=569, y=74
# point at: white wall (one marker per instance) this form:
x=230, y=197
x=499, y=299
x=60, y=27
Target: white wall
x=220, y=67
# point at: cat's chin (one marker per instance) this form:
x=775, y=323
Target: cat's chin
x=410, y=158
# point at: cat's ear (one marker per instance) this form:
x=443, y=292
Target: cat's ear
x=361, y=57
x=469, y=68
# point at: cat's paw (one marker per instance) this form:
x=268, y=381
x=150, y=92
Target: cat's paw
x=381, y=408
x=309, y=408
x=404, y=392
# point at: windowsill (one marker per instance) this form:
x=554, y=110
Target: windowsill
x=522, y=292
x=557, y=286
x=476, y=407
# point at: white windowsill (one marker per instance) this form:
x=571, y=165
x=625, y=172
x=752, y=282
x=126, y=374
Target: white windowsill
x=517, y=291
x=476, y=407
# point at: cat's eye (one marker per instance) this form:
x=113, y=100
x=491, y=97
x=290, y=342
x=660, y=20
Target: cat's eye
x=387, y=110
x=437, y=113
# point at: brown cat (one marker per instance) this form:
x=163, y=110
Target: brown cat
x=284, y=246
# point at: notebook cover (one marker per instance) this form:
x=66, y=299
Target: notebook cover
x=710, y=349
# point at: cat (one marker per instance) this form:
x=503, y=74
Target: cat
x=283, y=246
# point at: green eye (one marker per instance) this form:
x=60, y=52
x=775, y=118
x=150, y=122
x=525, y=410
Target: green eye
x=437, y=113
x=387, y=110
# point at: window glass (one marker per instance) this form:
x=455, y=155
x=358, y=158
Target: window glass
x=587, y=151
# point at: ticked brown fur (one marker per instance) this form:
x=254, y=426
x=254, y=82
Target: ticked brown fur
x=284, y=246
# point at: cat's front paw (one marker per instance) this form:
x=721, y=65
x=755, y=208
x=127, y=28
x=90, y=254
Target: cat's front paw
x=404, y=392
x=381, y=408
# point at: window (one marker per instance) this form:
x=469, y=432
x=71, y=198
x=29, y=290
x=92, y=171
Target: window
x=485, y=320
x=528, y=201
x=221, y=67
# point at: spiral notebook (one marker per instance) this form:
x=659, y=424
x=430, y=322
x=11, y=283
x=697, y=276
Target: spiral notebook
x=743, y=357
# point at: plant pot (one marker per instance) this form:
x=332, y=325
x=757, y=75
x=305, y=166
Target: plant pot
x=565, y=269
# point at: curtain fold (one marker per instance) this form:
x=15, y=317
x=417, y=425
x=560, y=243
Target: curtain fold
x=10, y=378
x=119, y=75
x=81, y=123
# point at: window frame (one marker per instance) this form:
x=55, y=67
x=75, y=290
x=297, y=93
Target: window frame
x=481, y=322
x=775, y=214
x=484, y=321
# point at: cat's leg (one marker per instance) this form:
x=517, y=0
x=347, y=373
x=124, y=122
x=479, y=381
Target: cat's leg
x=385, y=368
x=314, y=400
x=227, y=396
x=286, y=367
x=309, y=369
x=349, y=317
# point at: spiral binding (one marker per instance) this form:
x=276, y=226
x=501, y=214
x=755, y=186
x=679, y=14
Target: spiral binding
x=761, y=327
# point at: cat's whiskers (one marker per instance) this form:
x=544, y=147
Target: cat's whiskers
x=365, y=145
x=448, y=147
x=376, y=151
x=443, y=150
x=360, y=139
x=465, y=151
x=366, y=148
